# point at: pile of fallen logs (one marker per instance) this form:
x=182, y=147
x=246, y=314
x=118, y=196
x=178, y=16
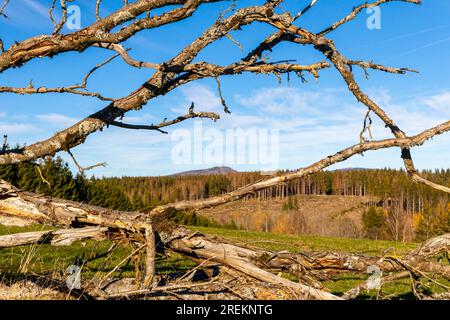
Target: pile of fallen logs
x=230, y=263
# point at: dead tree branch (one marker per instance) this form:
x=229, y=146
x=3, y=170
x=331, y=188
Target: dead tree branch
x=192, y=114
x=3, y=7
x=81, y=169
x=28, y=206
x=315, y=167
x=63, y=237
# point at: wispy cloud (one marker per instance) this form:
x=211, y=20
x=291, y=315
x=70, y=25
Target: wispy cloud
x=439, y=102
x=37, y=7
x=283, y=100
x=203, y=97
x=56, y=119
x=17, y=128
x=311, y=126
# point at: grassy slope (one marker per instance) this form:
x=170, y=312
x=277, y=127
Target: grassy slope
x=45, y=259
x=293, y=243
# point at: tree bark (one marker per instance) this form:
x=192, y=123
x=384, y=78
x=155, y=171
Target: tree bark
x=64, y=237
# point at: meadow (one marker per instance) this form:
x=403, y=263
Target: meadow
x=46, y=261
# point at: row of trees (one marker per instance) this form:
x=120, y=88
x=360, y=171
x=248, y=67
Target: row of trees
x=402, y=206
x=380, y=223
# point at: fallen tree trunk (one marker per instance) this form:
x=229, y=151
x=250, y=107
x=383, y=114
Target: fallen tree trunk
x=338, y=262
x=28, y=207
x=64, y=237
x=200, y=247
x=99, y=223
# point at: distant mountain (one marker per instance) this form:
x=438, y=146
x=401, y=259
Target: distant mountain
x=205, y=172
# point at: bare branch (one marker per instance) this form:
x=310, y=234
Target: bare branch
x=366, y=127
x=50, y=13
x=306, y=9
x=352, y=15
x=155, y=86
x=370, y=65
x=81, y=169
x=3, y=7
x=75, y=89
x=330, y=51
x=98, y=66
x=165, y=79
x=39, y=170
x=340, y=156
x=50, y=45
x=126, y=57
x=222, y=99
x=43, y=90
x=97, y=10
x=58, y=26
x=190, y=115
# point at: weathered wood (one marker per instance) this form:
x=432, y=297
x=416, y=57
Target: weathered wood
x=354, y=292
x=63, y=237
x=432, y=247
x=199, y=246
x=29, y=206
x=150, y=257
x=32, y=207
x=351, y=262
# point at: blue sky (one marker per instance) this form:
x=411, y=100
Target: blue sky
x=314, y=119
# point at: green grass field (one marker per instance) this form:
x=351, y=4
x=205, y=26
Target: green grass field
x=295, y=243
x=48, y=260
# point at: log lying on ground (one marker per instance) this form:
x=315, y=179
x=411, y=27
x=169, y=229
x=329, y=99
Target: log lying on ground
x=21, y=207
x=64, y=237
x=335, y=262
x=32, y=207
x=432, y=247
x=354, y=292
x=338, y=262
x=200, y=247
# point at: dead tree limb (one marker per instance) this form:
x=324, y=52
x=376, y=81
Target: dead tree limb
x=29, y=206
x=199, y=246
x=138, y=226
x=175, y=71
x=150, y=257
x=210, y=115
x=315, y=167
x=63, y=237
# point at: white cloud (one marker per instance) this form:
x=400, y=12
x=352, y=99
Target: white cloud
x=17, y=128
x=311, y=126
x=283, y=100
x=439, y=102
x=37, y=7
x=203, y=97
x=56, y=119
x=139, y=118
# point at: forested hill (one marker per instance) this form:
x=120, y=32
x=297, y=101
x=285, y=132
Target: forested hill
x=394, y=189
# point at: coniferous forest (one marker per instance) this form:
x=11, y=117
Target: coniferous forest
x=398, y=199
